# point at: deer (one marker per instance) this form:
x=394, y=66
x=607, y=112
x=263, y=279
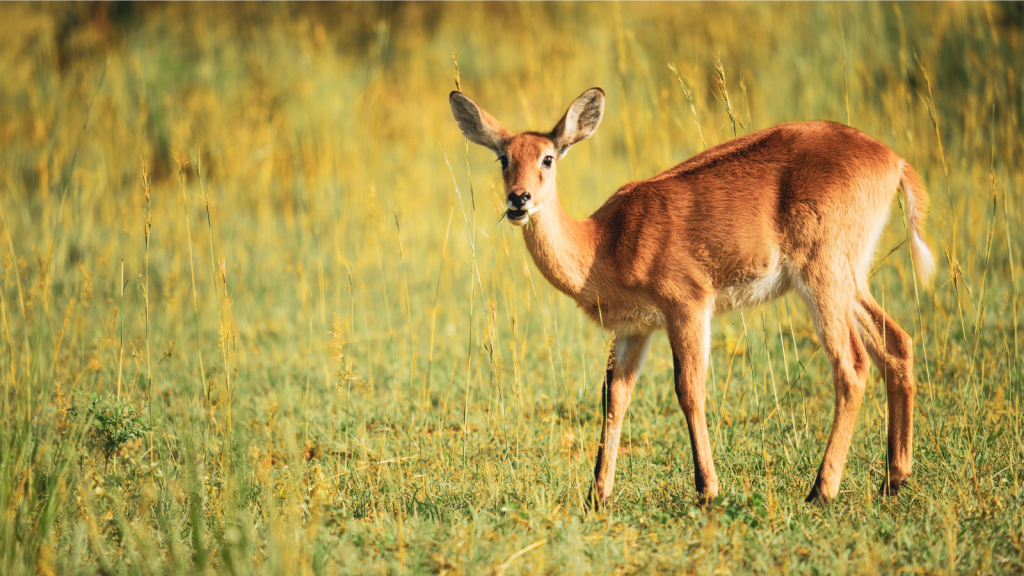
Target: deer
x=796, y=207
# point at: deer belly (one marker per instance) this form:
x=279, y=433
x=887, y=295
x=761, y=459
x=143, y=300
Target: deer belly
x=765, y=287
x=626, y=319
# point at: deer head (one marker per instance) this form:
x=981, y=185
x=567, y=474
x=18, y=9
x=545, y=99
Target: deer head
x=529, y=159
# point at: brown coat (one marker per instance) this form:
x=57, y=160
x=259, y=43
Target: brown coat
x=797, y=206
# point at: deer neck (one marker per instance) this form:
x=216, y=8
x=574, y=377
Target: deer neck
x=563, y=248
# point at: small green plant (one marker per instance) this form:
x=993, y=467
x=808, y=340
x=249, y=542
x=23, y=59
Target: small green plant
x=748, y=508
x=114, y=422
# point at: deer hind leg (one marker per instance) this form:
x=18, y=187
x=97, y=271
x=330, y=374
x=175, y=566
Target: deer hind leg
x=831, y=304
x=624, y=364
x=892, y=351
x=690, y=340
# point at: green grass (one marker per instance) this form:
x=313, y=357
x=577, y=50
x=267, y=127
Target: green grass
x=339, y=363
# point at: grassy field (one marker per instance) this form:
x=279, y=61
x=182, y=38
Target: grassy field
x=258, y=315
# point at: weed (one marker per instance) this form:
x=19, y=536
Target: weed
x=113, y=424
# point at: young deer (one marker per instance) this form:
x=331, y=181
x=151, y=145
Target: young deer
x=796, y=206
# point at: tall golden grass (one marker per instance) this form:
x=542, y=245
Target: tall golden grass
x=255, y=232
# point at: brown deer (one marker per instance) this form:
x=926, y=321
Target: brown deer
x=798, y=206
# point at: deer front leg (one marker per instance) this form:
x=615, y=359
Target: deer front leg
x=627, y=357
x=690, y=336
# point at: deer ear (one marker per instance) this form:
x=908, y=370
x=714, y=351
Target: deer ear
x=580, y=121
x=477, y=126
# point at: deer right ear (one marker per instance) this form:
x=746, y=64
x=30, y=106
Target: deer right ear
x=477, y=126
x=580, y=121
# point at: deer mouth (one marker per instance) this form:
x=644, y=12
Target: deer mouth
x=520, y=216
x=517, y=217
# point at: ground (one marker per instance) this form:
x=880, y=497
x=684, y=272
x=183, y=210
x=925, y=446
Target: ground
x=258, y=315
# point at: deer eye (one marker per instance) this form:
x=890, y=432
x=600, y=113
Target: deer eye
x=504, y=163
x=548, y=160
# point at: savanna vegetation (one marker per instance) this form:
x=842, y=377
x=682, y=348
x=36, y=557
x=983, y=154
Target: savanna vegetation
x=257, y=314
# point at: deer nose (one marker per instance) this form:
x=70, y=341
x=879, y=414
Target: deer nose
x=518, y=201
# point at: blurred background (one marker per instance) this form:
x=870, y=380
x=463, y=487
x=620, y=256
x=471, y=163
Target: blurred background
x=259, y=315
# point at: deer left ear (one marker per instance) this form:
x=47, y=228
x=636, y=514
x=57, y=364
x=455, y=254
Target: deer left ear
x=477, y=125
x=580, y=121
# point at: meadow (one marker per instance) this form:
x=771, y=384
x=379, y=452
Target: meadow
x=258, y=315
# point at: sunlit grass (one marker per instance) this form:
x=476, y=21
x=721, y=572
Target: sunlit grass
x=258, y=227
